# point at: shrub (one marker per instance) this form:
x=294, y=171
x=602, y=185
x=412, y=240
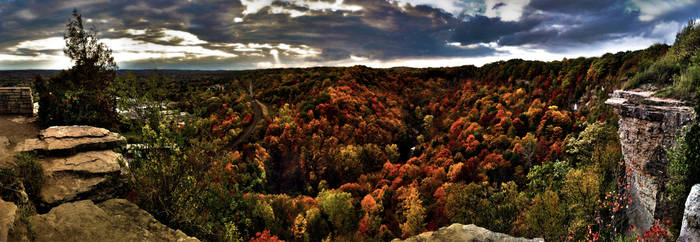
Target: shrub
x=180, y=181
x=687, y=42
x=686, y=85
x=682, y=168
x=661, y=72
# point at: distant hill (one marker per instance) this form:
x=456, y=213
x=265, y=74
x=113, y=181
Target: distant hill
x=23, y=77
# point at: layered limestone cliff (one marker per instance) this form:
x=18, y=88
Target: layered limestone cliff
x=648, y=126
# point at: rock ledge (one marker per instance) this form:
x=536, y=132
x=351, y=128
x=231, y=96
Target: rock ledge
x=112, y=220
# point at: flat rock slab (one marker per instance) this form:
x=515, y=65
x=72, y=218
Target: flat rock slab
x=460, y=232
x=79, y=176
x=8, y=211
x=105, y=161
x=76, y=131
x=112, y=220
x=67, y=187
x=72, y=139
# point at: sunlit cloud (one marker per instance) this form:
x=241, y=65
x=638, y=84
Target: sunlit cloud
x=53, y=43
x=651, y=9
x=127, y=49
x=454, y=7
x=181, y=37
x=136, y=31
x=507, y=10
x=254, y=6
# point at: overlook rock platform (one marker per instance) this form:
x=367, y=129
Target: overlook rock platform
x=648, y=126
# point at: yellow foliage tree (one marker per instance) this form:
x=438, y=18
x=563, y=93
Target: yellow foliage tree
x=413, y=211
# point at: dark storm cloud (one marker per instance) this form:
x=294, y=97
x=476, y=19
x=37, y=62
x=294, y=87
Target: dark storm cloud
x=560, y=25
x=564, y=28
x=222, y=35
x=482, y=29
x=572, y=7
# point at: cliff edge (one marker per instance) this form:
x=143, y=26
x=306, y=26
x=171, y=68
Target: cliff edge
x=648, y=126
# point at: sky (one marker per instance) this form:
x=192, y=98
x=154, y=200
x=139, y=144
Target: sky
x=253, y=34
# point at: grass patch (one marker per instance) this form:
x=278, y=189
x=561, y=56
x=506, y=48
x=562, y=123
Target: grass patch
x=30, y=171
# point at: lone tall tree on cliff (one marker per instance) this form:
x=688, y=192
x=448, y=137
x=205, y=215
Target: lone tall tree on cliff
x=82, y=94
x=92, y=58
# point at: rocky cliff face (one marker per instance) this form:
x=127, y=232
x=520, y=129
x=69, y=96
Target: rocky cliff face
x=648, y=127
x=690, y=229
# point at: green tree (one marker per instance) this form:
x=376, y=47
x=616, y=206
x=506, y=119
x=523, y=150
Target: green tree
x=548, y=176
x=84, y=48
x=581, y=190
x=338, y=207
x=463, y=201
x=584, y=149
x=84, y=93
x=546, y=217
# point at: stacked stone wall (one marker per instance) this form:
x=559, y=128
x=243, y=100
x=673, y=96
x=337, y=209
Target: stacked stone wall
x=16, y=100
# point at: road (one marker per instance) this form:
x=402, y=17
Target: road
x=258, y=114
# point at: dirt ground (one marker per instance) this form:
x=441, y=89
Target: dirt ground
x=13, y=130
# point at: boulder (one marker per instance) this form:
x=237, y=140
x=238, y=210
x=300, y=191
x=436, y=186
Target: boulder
x=72, y=139
x=460, y=232
x=690, y=228
x=112, y=220
x=8, y=211
x=86, y=175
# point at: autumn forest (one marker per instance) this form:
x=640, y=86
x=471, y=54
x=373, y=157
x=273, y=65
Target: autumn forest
x=521, y=147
